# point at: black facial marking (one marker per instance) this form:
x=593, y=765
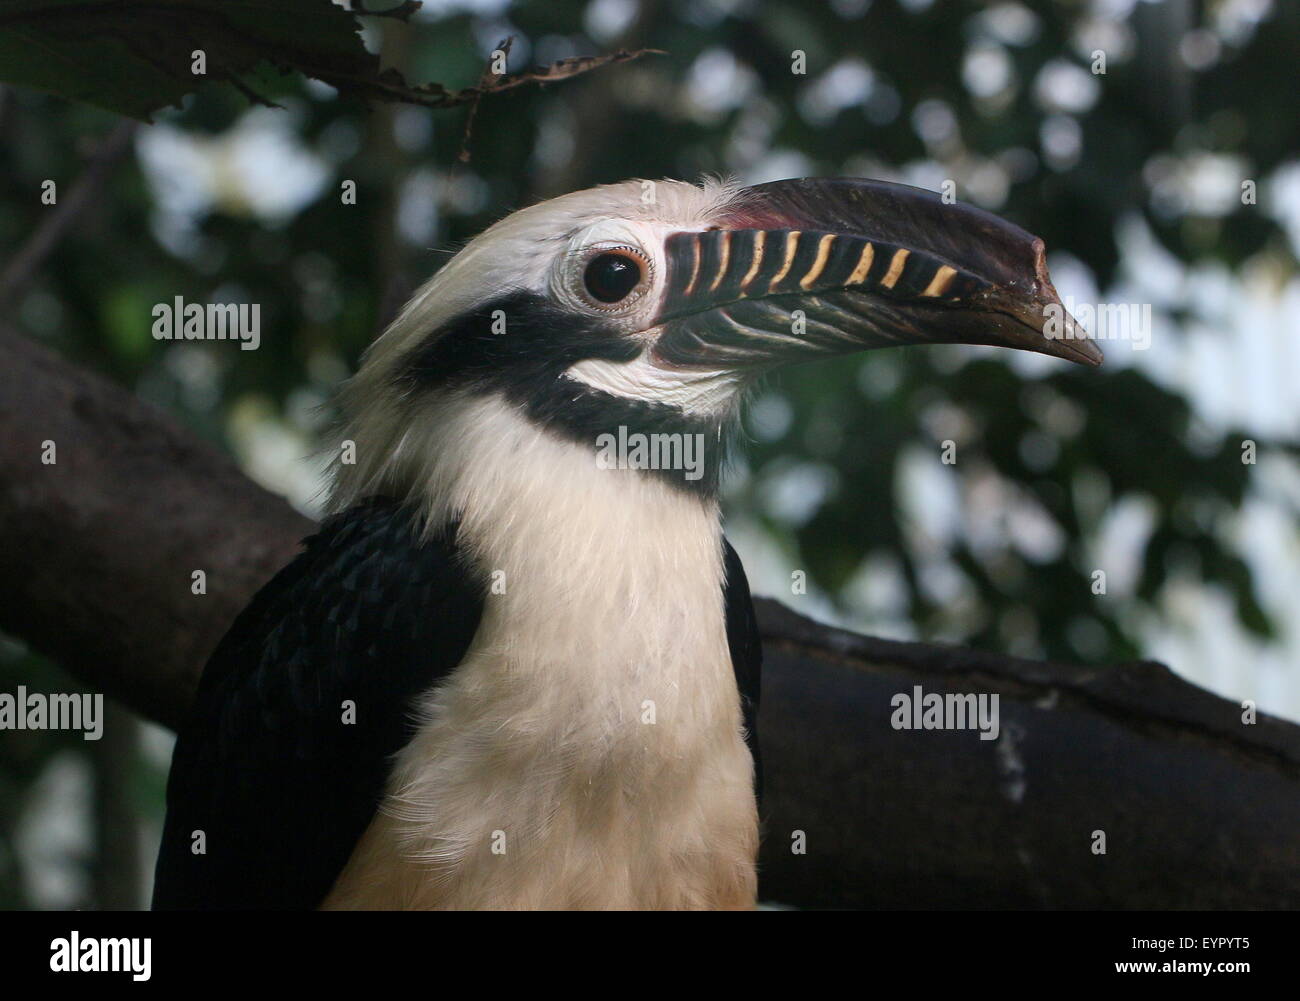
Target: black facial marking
x=520, y=346
x=519, y=340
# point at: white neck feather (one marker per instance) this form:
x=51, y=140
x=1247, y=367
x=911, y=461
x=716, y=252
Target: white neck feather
x=579, y=552
x=595, y=720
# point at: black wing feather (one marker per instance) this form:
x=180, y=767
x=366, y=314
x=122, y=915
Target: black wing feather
x=746, y=652
x=280, y=786
x=266, y=768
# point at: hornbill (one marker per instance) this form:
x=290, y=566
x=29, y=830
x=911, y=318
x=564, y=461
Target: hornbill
x=509, y=672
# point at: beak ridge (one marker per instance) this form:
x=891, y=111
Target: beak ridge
x=867, y=264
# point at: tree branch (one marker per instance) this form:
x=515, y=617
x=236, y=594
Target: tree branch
x=1198, y=809
x=97, y=549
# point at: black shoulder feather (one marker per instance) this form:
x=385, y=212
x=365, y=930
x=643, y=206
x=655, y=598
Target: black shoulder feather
x=274, y=768
x=746, y=652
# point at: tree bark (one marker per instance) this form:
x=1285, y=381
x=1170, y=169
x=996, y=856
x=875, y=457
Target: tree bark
x=98, y=548
x=1197, y=809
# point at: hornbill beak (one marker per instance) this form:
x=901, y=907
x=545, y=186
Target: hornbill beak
x=804, y=268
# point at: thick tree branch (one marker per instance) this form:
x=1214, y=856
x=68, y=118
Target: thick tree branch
x=98, y=548
x=1198, y=809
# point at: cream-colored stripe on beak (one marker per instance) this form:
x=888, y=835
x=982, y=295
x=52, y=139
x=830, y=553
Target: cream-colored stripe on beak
x=726, y=258
x=760, y=238
x=895, y=268
x=864, y=265
x=791, y=248
x=940, y=282
x=823, y=252
x=695, y=266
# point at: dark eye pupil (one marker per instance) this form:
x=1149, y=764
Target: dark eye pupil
x=610, y=277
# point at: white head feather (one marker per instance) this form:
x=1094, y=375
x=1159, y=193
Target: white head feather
x=396, y=434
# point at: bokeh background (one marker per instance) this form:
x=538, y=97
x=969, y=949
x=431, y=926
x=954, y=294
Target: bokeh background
x=1134, y=177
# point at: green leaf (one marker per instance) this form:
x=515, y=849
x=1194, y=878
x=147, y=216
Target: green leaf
x=135, y=57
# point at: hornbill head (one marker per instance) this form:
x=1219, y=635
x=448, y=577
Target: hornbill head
x=652, y=305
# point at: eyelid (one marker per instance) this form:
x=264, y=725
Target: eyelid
x=615, y=248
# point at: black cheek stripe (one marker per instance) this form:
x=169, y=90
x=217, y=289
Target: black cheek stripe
x=526, y=364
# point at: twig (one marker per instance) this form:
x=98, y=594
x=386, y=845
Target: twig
x=24, y=265
x=485, y=83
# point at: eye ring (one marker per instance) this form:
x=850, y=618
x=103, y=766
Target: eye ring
x=613, y=277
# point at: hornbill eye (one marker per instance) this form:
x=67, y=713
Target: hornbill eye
x=612, y=275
